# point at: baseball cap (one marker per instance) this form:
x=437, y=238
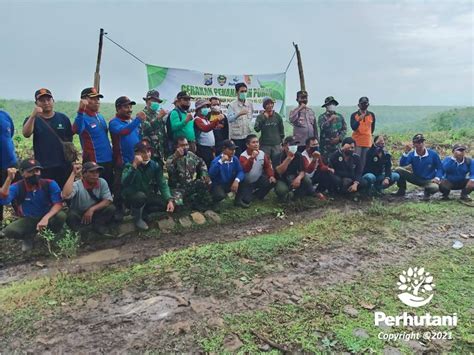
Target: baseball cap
x=30, y=164
x=42, y=92
x=90, y=92
x=183, y=95
x=301, y=93
x=91, y=166
x=290, y=140
x=364, y=99
x=141, y=146
x=124, y=100
x=153, y=94
x=459, y=146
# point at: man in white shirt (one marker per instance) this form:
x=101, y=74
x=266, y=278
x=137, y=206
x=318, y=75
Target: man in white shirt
x=239, y=115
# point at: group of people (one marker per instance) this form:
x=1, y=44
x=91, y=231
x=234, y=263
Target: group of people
x=160, y=160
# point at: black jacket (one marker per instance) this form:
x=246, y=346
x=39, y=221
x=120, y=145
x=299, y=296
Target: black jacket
x=378, y=165
x=346, y=169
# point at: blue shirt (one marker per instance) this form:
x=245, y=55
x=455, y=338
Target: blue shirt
x=38, y=202
x=454, y=171
x=7, y=129
x=46, y=145
x=223, y=173
x=92, y=131
x=125, y=134
x=426, y=167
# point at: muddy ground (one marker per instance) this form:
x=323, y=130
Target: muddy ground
x=168, y=317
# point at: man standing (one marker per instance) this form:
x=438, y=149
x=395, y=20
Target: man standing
x=125, y=134
x=239, y=113
x=458, y=173
x=315, y=169
x=347, y=177
x=363, y=125
x=303, y=120
x=204, y=131
x=181, y=122
x=259, y=176
x=221, y=132
x=332, y=128
x=138, y=179
x=154, y=127
x=292, y=180
x=426, y=166
x=378, y=167
x=270, y=124
x=49, y=129
x=91, y=127
x=226, y=172
x=188, y=177
x=7, y=155
x=91, y=200
x=38, y=203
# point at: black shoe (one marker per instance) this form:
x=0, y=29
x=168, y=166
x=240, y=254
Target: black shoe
x=426, y=196
x=400, y=192
x=445, y=197
x=242, y=204
x=465, y=198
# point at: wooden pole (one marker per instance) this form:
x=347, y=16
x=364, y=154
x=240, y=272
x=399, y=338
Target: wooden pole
x=99, y=57
x=300, y=67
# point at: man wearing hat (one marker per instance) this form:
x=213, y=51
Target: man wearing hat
x=188, y=177
x=91, y=200
x=458, y=173
x=240, y=115
x=49, y=129
x=303, y=120
x=138, y=181
x=125, y=133
x=291, y=177
x=204, y=129
x=154, y=127
x=92, y=129
x=38, y=203
x=8, y=157
x=181, y=121
x=426, y=166
x=363, y=125
x=226, y=173
x=270, y=124
x=332, y=128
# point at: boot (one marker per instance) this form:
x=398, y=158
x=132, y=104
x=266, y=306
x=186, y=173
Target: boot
x=26, y=245
x=465, y=197
x=426, y=196
x=400, y=192
x=137, y=214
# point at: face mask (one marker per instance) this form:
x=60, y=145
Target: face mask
x=314, y=149
x=33, y=180
x=216, y=108
x=185, y=107
x=379, y=148
x=243, y=95
x=348, y=152
x=293, y=148
x=155, y=106
x=205, y=111
x=331, y=108
x=363, y=107
x=185, y=152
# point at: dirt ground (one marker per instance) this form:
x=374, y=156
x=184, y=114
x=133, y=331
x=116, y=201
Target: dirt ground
x=168, y=317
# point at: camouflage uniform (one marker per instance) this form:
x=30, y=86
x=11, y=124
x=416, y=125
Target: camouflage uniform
x=154, y=129
x=330, y=130
x=185, y=178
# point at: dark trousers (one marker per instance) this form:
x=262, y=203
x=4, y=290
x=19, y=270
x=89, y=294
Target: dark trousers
x=405, y=175
x=100, y=217
x=283, y=188
x=342, y=184
x=259, y=189
x=108, y=173
x=206, y=153
x=241, y=146
x=117, y=187
x=219, y=192
x=25, y=227
x=152, y=203
x=323, y=179
x=60, y=174
x=446, y=186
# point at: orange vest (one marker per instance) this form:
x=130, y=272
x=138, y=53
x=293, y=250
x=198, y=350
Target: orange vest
x=363, y=134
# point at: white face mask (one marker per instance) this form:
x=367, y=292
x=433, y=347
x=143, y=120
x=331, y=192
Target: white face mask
x=216, y=108
x=293, y=148
x=331, y=108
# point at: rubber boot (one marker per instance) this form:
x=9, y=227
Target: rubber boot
x=137, y=214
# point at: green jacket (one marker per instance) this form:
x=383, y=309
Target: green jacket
x=272, y=129
x=179, y=127
x=143, y=178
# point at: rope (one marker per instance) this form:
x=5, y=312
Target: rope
x=288, y=66
x=118, y=45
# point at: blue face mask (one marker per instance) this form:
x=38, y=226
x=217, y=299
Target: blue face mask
x=155, y=106
x=205, y=111
x=243, y=95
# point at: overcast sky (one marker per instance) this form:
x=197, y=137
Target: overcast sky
x=394, y=52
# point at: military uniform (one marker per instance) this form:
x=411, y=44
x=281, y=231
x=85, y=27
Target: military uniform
x=329, y=130
x=185, y=178
x=154, y=130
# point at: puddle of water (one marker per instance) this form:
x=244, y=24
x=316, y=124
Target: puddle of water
x=99, y=256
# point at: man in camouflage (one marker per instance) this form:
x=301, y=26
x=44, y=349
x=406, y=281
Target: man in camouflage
x=332, y=128
x=153, y=128
x=188, y=177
